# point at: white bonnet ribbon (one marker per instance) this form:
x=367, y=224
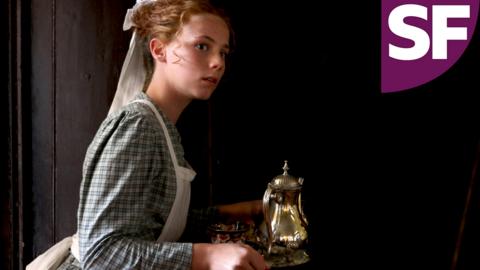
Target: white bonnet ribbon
x=132, y=76
x=127, y=23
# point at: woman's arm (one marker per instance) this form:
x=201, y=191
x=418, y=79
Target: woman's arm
x=247, y=211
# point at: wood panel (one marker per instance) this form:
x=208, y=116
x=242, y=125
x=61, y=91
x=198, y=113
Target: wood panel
x=77, y=52
x=42, y=126
x=89, y=50
x=7, y=235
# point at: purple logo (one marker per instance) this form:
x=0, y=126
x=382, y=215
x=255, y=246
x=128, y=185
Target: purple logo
x=421, y=39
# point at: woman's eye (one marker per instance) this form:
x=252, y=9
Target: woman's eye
x=224, y=54
x=202, y=47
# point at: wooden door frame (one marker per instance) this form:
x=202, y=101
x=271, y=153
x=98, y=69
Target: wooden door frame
x=16, y=189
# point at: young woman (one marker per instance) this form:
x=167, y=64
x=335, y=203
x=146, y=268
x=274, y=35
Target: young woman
x=135, y=193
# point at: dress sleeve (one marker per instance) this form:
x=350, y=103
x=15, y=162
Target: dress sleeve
x=118, y=222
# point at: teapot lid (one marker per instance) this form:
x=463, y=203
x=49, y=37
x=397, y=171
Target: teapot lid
x=286, y=181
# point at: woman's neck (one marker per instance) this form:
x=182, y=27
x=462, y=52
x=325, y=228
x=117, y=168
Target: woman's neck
x=171, y=104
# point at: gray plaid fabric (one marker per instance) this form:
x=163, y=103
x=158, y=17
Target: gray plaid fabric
x=70, y=263
x=127, y=191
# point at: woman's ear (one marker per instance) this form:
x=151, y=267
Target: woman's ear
x=157, y=49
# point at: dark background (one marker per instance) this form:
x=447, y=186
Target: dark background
x=386, y=176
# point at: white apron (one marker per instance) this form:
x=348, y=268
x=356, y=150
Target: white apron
x=177, y=219
x=171, y=232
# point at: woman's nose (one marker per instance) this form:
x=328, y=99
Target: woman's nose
x=217, y=62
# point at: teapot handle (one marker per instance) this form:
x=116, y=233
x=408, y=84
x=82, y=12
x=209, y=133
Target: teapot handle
x=300, y=209
x=266, y=215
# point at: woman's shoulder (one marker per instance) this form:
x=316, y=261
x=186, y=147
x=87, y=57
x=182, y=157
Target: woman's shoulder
x=131, y=121
x=132, y=114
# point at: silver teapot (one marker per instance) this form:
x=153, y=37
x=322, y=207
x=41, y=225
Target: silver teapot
x=285, y=221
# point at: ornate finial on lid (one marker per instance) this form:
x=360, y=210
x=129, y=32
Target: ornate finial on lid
x=284, y=180
x=285, y=168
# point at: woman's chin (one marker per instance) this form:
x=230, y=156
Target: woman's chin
x=203, y=95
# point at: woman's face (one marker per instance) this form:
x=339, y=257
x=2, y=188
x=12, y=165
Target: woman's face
x=195, y=59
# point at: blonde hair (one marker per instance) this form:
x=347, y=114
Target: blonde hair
x=163, y=19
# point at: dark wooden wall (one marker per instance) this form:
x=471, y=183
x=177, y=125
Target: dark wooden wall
x=77, y=49
x=386, y=176
x=6, y=215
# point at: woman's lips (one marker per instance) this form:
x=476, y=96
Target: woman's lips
x=211, y=80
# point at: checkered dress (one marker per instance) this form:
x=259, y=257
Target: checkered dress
x=127, y=192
